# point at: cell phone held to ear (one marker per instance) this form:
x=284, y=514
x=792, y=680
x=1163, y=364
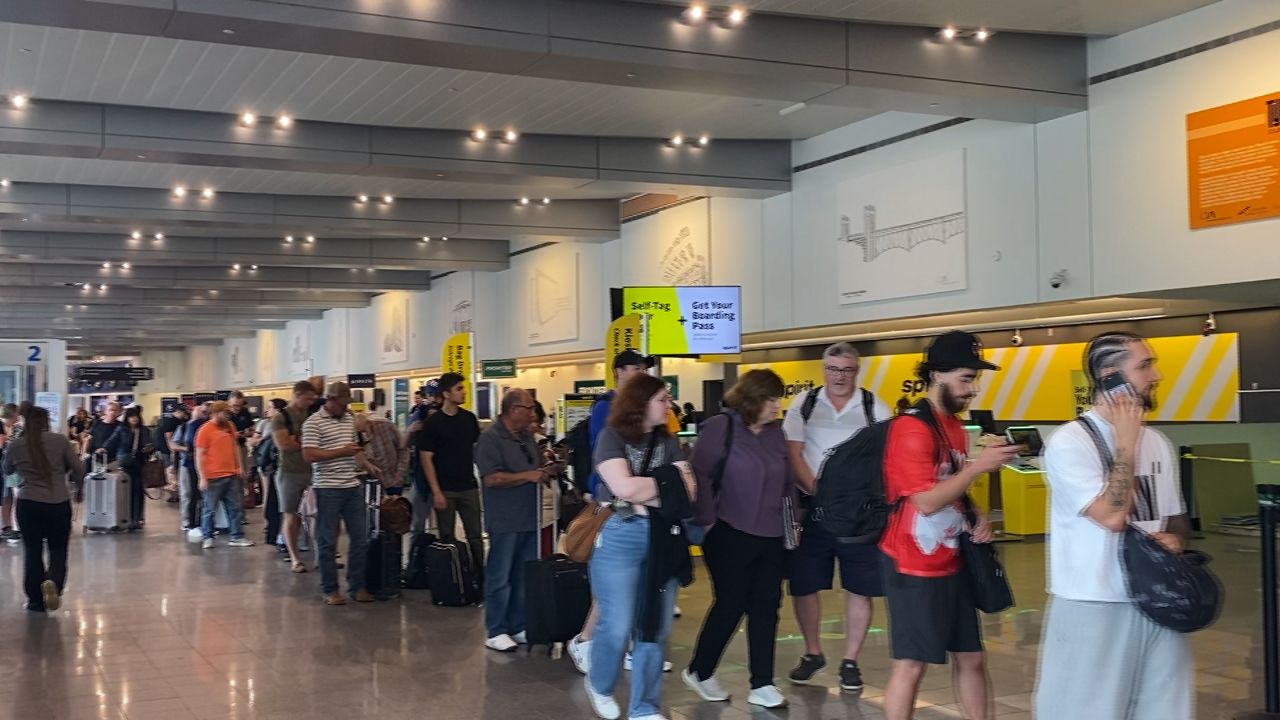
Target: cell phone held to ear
x=1115, y=385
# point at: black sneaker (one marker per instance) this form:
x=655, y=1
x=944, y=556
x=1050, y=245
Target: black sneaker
x=850, y=676
x=808, y=667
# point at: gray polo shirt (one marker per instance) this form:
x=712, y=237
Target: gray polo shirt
x=508, y=509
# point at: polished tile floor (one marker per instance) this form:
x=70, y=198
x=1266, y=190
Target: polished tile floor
x=153, y=629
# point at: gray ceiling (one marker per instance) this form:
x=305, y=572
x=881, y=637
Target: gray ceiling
x=133, y=97
x=1082, y=17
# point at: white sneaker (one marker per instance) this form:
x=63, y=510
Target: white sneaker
x=580, y=654
x=603, y=705
x=768, y=696
x=626, y=664
x=648, y=717
x=195, y=533
x=241, y=542
x=520, y=638
x=708, y=689
x=207, y=544
x=676, y=611
x=501, y=643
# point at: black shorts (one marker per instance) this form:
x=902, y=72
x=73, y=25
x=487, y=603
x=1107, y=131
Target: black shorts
x=930, y=616
x=811, y=566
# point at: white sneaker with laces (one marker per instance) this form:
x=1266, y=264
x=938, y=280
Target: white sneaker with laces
x=603, y=705
x=501, y=643
x=195, y=533
x=768, y=696
x=241, y=542
x=520, y=638
x=207, y=544
x=708, y=689
x=580, y=654
x=676, y=611
x=626, y=664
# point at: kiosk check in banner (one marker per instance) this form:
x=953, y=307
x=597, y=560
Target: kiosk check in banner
x=455, y=357
x=695, y=320
x=1041, y=383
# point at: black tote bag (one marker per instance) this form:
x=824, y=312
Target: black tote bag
x=990, y=585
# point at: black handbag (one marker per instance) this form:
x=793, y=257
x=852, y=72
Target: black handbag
x=987, y=579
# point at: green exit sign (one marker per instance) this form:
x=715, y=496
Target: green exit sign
x=498, y=368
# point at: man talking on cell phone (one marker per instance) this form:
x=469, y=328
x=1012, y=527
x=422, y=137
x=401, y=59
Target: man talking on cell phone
x=1101, y=657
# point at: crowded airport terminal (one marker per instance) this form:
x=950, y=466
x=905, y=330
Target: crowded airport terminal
x=639, y=359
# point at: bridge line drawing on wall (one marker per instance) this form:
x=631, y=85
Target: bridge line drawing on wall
x=877, y=241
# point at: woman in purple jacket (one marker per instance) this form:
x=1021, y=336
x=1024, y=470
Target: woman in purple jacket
x=744, y=548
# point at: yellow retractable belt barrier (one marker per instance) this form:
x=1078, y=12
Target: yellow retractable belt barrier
x=1189, y=456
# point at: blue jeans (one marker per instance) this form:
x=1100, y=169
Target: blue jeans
x=504, y=612
x=226, y=491
x=346, y=504
x=617, y=576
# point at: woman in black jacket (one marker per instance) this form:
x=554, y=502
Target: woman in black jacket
x=131, y=445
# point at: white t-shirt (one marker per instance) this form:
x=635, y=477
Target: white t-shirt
x=1084, y=557
x=826, y=427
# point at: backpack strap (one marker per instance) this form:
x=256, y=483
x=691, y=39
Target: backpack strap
x=810, y=400
x=869, y=406
x=1108, y=461
x=924, y=411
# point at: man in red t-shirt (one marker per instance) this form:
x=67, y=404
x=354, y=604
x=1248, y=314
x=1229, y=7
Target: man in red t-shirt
x=931, y=609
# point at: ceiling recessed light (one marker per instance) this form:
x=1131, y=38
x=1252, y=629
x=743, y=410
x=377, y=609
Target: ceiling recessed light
x=704, y=140
x=362, y=198
x=479, y=134
x=135, y=235
x=125, y=266
x=235, y=266
x=426, y=239
x=695, y=12
x=228, y=31
x=311, y=238
x=141, y=156
x=546, y=201
x=982, y=35
x=444, y=239
x=737, y=15
x=439, y=175
x=253, y=267
x=524, y=201
x=948, y=33
x=5, y=182
x=102, y=287
x=288, y=239
x=19, y=101
x=106, y=266
x=511, y=136
x=248, y=119
x=207, y=193
x=388, y=199
x=677, y=140
x=631, y=76
x=284, y=121
x=180, y=192
x=158, y=236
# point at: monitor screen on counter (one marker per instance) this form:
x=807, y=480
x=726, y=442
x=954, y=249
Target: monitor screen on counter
x=694, y=320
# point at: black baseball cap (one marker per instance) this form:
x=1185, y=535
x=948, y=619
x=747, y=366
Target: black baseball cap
x=632, y=357
x=955, y=350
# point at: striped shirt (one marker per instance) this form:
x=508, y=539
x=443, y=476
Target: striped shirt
x=327, y=432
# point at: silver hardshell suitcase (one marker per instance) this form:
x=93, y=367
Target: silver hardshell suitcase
x=106, y=499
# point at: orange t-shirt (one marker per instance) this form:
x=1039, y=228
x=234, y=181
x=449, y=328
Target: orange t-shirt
x=221, y=451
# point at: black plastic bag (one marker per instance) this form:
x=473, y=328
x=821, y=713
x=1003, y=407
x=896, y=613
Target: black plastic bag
x=1174, y=590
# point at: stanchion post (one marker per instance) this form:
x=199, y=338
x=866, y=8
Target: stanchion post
x=1268, y=509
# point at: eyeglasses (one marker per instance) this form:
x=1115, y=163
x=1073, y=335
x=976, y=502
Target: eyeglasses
x=841, y=371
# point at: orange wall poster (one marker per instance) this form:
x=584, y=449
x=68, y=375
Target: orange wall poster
x=1233, y=162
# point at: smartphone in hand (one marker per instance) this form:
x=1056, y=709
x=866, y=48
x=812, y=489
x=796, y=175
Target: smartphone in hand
x=1116, y=385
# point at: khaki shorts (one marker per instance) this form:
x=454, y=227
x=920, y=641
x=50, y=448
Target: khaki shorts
x=289, y=490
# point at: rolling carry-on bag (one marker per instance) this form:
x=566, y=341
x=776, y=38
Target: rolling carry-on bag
x=106, y=499
x=383, y=564
x=452, y=579
x=415, y=573
x=557, y=589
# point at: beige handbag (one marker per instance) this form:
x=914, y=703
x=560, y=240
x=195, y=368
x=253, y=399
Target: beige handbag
x=580, y=537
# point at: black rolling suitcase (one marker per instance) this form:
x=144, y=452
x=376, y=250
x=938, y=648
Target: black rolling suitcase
x=384, y=556
x=452, y=579
x=557, y=589
x=416, y=576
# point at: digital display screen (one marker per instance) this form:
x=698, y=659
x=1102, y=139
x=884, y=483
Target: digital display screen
x=694, y=320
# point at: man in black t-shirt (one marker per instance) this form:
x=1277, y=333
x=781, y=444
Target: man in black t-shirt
x=446, y=446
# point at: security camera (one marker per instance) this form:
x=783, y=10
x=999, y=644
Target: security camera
x=1210, y=325
x=1017, y=338
x=1058, y=279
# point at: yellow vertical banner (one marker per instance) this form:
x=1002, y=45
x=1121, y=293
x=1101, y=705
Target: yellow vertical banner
x=625, y=333
x=456, y=358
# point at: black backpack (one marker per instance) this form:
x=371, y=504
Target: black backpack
x=578, y=441
x=868, y=404
x=267, y=455
x=850, y=502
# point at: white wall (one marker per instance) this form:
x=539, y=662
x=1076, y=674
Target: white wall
x=1137, y=152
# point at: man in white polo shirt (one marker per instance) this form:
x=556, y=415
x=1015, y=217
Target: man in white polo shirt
x=330, y=443
x=1101, y=657
x=817, y=421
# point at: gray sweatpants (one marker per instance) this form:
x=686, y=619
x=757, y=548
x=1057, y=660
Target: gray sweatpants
x=1107, y=660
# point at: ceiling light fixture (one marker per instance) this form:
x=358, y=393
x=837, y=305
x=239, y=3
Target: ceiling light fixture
x=736, y=16
x=228, y=31
x=510, y=136
x=362, y=198
x=388, y=199
x=158, y=237
x=288, y=239
x=235, y=266
x=5, y=182
x=19, y=101
x=248, y=119
x=676, y=141
x=695, y=13
x=703, y=141
x=426, y=239
x=284, y=122
x=444, y=239
x=982, y=35
x=311, y=238
x=948, y=33
x=524, y=201
x=125, y=266
x=102, y=287
x=135, y=235
x=479, y=134
x=180, y=192
x=546, y=201
x=253, y=267
x=106, y=266
x=207, y=193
